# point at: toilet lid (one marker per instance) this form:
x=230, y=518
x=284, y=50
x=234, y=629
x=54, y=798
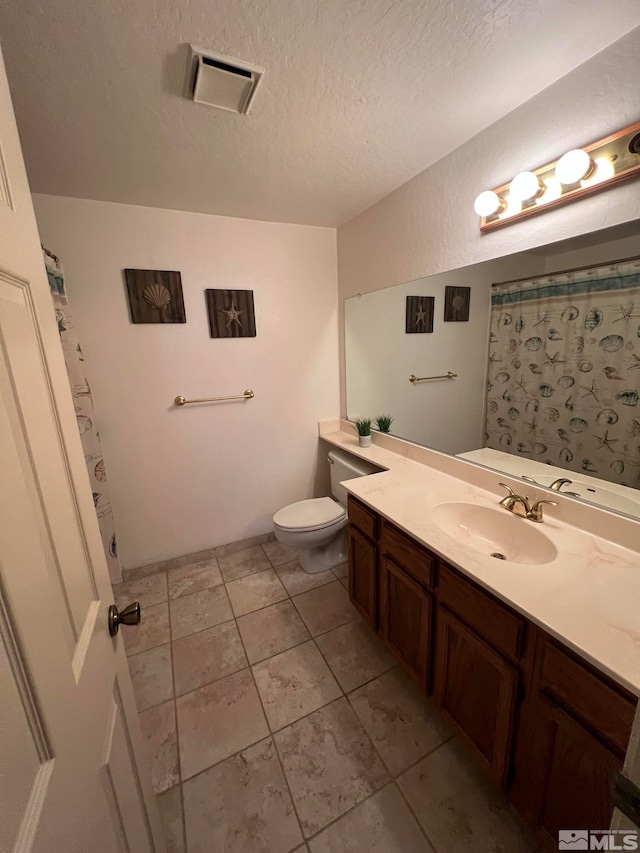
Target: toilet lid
x=309, y=515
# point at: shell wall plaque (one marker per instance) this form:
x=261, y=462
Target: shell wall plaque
x=155, y=296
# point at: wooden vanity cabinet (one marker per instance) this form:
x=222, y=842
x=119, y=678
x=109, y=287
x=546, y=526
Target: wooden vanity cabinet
x=363, y=561
x=476, y=690
x=574, y=732
x=406, y=579
x=478, y=678
x=545, y=724
x=405, y=620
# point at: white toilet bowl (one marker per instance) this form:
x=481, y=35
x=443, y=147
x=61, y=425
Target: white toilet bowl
x=316, y=531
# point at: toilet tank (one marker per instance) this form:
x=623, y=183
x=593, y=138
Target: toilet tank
x=344, y=466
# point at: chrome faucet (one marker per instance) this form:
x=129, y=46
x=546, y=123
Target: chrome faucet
x=519, y=505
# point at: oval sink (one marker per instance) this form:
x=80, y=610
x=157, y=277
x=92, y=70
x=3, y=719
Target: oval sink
x=495, y=533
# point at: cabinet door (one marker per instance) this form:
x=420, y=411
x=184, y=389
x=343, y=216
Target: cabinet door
x=363, y=586
x=476, y=689
x=568, y=773
x=405, y=620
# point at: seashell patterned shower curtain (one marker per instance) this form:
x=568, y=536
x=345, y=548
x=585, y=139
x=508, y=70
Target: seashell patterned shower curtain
x=564, y=371
x=85, y=414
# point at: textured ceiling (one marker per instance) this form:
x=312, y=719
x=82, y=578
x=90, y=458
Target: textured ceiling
x=358, y=96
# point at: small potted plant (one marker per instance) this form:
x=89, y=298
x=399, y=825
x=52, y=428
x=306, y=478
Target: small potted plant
x=383, y=423
x=364, y=432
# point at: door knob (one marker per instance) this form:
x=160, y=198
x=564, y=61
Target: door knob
x=129, y=616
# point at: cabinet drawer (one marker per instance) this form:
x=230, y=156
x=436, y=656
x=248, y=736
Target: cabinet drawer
x=588, y=696
x=501, y=627
x=415, y=560
x=363, y=518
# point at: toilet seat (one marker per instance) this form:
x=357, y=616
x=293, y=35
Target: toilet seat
x=314, y=514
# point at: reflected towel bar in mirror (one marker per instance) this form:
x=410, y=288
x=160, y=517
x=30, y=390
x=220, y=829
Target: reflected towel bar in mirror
x=447, y=375
x=248, y=394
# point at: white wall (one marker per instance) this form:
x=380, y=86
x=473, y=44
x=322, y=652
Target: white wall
x=186, y=479
x=428, y=225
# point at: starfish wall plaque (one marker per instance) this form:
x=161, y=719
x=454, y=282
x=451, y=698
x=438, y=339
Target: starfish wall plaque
x=419, y=314
x=231, y=313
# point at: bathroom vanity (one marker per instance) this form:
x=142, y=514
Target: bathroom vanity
x=547, y=726
x=533, y=660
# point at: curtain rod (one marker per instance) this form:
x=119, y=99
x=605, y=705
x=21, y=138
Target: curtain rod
x=562, y=272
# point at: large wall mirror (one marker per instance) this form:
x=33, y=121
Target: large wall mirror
x=547, y=365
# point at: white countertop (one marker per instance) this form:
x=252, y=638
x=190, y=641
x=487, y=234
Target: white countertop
x=588, y=596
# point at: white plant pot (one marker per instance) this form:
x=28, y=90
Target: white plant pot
x=364, y=440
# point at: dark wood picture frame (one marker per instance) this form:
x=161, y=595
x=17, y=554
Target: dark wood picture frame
x=456, y=304
x=155, y=296
x=419, y=314
x=231, y=313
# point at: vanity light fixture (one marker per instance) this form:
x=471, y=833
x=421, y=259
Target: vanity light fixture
x=578, y=173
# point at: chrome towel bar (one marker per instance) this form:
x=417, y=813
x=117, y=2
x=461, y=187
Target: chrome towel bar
x=447, y=375
x=248, y=394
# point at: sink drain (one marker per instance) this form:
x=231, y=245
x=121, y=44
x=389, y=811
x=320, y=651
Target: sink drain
x=498, y=555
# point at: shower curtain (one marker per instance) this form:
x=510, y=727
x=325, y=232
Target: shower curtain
x=564, y=371
x=85, y=414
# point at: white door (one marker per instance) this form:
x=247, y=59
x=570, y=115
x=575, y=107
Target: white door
x=73, y=774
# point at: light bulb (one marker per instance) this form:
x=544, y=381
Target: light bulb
x=488, y=203
x=604, y=169
x=525, y=186
x=573, y=167
x=552, y=192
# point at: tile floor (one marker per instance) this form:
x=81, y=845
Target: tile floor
x=276, y=721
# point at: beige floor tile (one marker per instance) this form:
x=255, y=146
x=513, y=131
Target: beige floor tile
x=402, y=723
x=198, y=611
x=242, y=563
x=278, y=553
x=193, y=578
x=147, y=590
x=355, y=654
x=341, y=571
x=207, y=656
x=271, y=630
x=152, y=677
x=325, y=608
x=241, y=806
x=382, y=824
x=296, y=580
x=329, y=763
x=153, y=630
x=159, y=728
x=256, y=591
x=170, y=806
x=217, y=720
x=459, y=809
x=345, y=583
x=294, y=683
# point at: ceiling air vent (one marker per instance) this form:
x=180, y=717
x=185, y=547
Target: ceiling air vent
x=221, y=81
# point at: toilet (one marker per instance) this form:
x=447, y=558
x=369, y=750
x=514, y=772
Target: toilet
x=316, y=529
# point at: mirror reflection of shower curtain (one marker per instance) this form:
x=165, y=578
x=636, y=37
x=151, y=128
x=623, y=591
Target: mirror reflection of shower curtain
x=85, y=414
x=564, y=370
